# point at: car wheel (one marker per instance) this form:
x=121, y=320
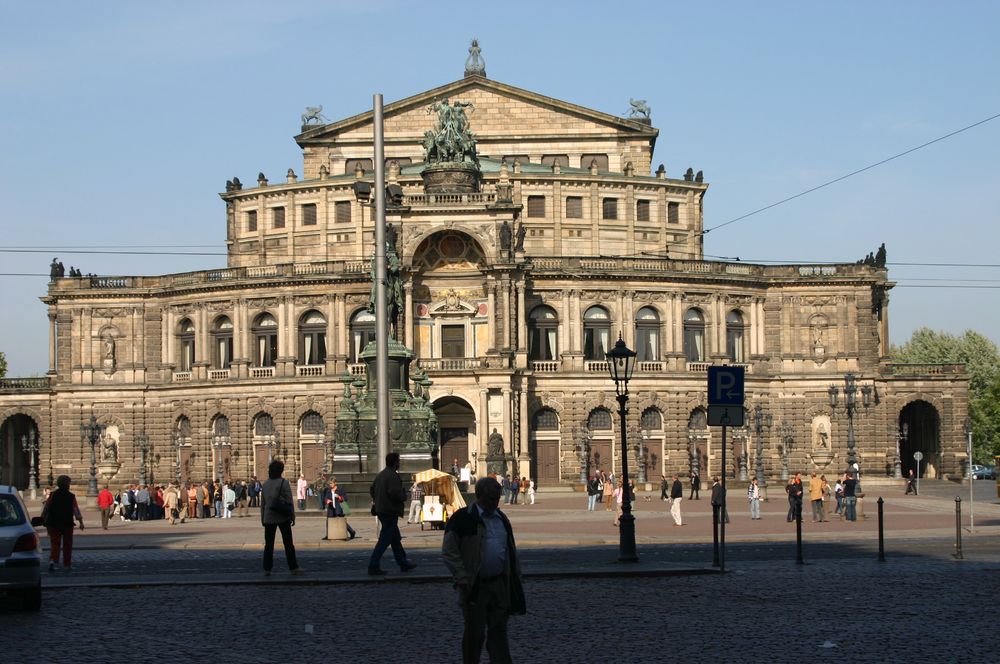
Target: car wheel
x=33, y=598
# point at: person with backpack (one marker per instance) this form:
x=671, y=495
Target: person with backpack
x=278, y=513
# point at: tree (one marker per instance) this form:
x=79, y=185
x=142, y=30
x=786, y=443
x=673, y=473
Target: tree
x=982, y=360
x=3, y=365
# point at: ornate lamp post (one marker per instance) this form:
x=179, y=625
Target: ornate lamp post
x=850, y=405
x=694, y=463
x=92, y=432
x=741, y=434
x=621, y=363
x=761, y=420
x=787, y=434
x=585, y=439
x=29, y=443
x=901, y=434
x=142, y=441
x=220, y=441
x=644, y=456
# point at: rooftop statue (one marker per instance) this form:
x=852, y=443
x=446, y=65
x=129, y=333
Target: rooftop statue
x=314, y=116
x=451, y=141
x=638, y=108
x=474, y=64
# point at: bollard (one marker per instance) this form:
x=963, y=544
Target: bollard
x=881, y=531
x=715, y=536
x=798, y=535
x=958, y=527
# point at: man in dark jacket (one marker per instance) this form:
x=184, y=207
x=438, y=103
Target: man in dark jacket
x=676, y=495
x=479, y=551
x=721, y=514
x=794, y=489
x=389, y=498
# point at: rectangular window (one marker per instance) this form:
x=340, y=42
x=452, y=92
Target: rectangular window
x=609, y=208
x=452, y=341
x=552, y=159
x=642, y=210
x=278, y=217
x=574, y=207
x=536, y=206
x=309, y=214
x=342, y=212
x=252, y=221
x=674, y=213
x=352, y=165
x=599, y=160
x=511, y=158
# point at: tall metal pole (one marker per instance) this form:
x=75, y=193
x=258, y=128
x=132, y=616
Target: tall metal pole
x=626, y=523
x=381, y=313
x=972, y=479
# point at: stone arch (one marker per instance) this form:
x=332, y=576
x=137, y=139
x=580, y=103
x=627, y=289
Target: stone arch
x=444, y=243
x=460, y=432
x=15, y=463
x=923, y=423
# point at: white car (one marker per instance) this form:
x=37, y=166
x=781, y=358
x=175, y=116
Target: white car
x=20, y=551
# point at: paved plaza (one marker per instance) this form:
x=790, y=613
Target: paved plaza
x=200, y=587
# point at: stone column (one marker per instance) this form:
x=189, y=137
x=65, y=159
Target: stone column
x=523, y=430
x=522, y=329
x=505, y=318
x=52, y=340
x=408, y=313
x=491, y=311
x=483, y=429
x=331, y=335
x=507, y=429
x=754, y=323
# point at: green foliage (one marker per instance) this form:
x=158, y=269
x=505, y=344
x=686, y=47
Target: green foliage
x=982, y=360
x=3, y=365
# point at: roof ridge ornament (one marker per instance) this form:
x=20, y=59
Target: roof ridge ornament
x=475, y=65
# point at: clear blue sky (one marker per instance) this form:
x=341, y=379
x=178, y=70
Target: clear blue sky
x=121, y=121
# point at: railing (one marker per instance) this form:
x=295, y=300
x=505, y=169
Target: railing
x=698, y=367
x=218, y=374
x=310, y=369
x=596, y=366
x=358, y=369
x=31, y=384
x=925, y=369
x=544, y=366
x=450, y=363
x=262, y=271
x=649, y=367
x=747, y=368
x=434, y=200
x=261, y=372
x=182, y=376
x=110, y=282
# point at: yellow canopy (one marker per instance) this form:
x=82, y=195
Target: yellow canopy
x=443, y=484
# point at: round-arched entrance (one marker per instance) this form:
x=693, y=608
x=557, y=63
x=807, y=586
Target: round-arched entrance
x=922, y=424
x=15, y=462
x=456, y=425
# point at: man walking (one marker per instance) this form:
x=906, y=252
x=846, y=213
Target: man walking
x=416, y=499
x=479, y=551
x=816, y=498
x=142, y=501
x=104, y=501
x=593, y=491
x=911, y=483
x=389, y=497
x=676, y=495
x=719, y=511
x=753, y=496
x=695, y=486
x=850, y=498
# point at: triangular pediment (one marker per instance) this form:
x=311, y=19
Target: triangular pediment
x=501, y=111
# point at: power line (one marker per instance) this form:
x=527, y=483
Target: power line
x=113, y=252
x=851, y=174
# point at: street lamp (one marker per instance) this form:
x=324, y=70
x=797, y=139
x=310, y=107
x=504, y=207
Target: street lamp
x=142, y=440
x=92, y=432
x=29, y=443
x=967, y=430
x=644, y=456
x=621, y=363
x=741, y=434
x=787, y=434
x=694, y=463
x=762, y=420
x=220, y=441
x=850, y=405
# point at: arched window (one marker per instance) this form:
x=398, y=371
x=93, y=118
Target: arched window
x=734, y=336
x=312, y=424
x=599, y=420
x=263, y=425
x=596, y=330
x=183, y=429
x=698, y=420
x=647, y=335
x=543, y=329
x=694, y=335
x=546, y=420
x=362, y=332
x=265, y=332
x=220, y=426
x=651, y=420
x=312, y=338
x=222, y=343
x=185, y=339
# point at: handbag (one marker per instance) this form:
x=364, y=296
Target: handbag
x=345, y=508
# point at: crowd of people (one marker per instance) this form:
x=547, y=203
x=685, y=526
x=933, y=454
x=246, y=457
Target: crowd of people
x=173, y=503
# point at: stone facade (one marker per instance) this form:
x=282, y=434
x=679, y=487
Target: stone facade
x=511, y=294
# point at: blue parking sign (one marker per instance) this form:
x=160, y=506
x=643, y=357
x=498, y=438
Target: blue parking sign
x=725, y=386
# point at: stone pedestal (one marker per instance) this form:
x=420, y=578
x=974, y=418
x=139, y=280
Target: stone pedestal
x=451, y=178
x=336, y=528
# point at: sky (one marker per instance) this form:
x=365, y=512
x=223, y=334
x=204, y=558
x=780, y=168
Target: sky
x=121, y=121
